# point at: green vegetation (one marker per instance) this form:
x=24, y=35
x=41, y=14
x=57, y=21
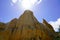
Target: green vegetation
x=57, y=38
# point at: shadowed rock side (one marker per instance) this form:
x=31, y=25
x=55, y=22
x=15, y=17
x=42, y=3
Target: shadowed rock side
x=26, y=27
x=48, y=25
x=50, y=28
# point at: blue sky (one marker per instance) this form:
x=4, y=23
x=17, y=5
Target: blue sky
x=47, y=9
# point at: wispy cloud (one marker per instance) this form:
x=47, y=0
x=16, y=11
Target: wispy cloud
x=55, y=24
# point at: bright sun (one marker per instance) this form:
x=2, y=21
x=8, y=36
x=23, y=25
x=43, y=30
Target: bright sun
x=27, y=4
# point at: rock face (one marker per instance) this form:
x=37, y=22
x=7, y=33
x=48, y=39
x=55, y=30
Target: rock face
x=48, y=25
x=26, y=27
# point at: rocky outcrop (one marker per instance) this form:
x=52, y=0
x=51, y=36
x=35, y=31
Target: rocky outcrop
x=27, y=27
x=2, y=26
x=50, y=28
x=48, y=25
x=12, y=23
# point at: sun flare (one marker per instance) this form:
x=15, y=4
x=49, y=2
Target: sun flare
x=27, y=4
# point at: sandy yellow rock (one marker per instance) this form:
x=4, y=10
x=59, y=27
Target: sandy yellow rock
x=27, y=27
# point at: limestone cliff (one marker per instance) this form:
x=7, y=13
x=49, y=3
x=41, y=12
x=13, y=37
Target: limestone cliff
x=26, y=27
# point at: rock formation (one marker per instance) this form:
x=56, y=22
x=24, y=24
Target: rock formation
x=26, y=27
x=48, y=25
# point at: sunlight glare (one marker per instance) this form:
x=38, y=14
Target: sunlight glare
x=27, y=4
x=14, y=1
